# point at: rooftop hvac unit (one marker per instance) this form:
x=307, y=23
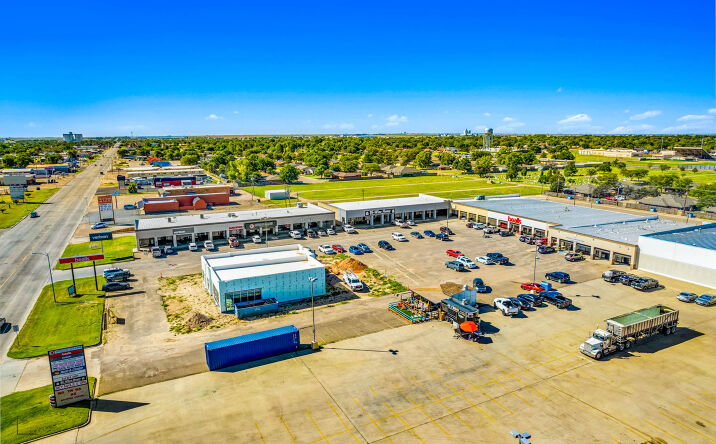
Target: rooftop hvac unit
x=232, y=214
x=202, y=216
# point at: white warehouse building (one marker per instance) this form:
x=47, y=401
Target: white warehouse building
x=283, y=273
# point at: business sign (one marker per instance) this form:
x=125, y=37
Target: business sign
x=382, y=211
x=93, y=246
x=237, y=227
x=517, y=220
x=186, y=230
x=69, y=375
x=100, y=236
x=17, y=192
x=115, y=193
x=76, y=259
x=263, y=224
x=105, y=202
x=71, y=290
x=514, y=220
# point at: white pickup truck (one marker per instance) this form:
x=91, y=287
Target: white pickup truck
x=351, y=279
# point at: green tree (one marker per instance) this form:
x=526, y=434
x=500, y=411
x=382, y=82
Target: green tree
x=463, y=164
x=682, y=184
x=605, y=167
x=608, y=180
x=8, y=161
x=591, y=171
x=706, y=194
x=479, y=154
x=512, y=172
x=424, y=159
x=289, y=173
x=640, y=173
x=370, y=168
x=694, y=170
x=22, y=160
x=664, y=167
x=483, y=165
x=320, y=171
x=189, y=159
x=446, y=158
x=53, y=158
x=348, y=163
x=570, y=169
x=132, y=188
x=556, y=183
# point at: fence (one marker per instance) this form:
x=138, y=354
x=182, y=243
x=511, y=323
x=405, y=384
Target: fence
x=617, y=203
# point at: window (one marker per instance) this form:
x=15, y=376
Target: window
x=234, y=297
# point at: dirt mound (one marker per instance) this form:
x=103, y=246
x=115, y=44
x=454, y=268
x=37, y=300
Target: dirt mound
x=339, y=267
x=196, y=321
x=450, y=288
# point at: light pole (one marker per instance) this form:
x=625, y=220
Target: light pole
x=52, y=283
x=534, y=270
x=314, y=345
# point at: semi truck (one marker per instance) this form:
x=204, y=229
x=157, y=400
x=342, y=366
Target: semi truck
x=621, y=331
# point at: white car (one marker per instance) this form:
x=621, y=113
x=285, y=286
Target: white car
x=192, y=247
x=349, y=228
x=351, y=279
x=330, y=231
x=479, y=226
x=295, y=234
x=400, y=223
x=506, y=306
x=256, y=239
x=399, y=237
x=485, y=260
x=410, y=223
x=208, y=245
x=326, y=249
x=466, y=261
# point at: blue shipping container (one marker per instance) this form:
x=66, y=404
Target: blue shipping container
x=247, y=348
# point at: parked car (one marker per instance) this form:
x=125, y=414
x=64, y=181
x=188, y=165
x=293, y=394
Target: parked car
x=479, y=285
x=478, y=226
x=234, y=242
x=558, y=276
x=498, y=258
x=491, y=230
x=208, y=245
x=442, y=237
x=706, y=300
x=574, y=257
x=535, y=299
x=506, y=306
x=168, y=249
x=532, y=286
x=310, y=233
x=338, y=248
x=469, y=224
x=116, y=277
x=385, y=245
x=295, y=234
x=466, y=261
x=330, y=231
x=523, y=303
x=429, y=233
x=112, y=270
x=612, y=275
x=400, y=223
x=157, y=252
x=365, y=248
x=545, y=249
x=455, y=265
x=628, y=278
x=351, y=279
x=454, y=253
x=115, y=286
x=349, y=229
x=687, y=296
x=192, y=247
x=33, y=214
x=355, y=250
x=256, y=239
x=485, y=260
x=506, y=233
x=644, y=284
x=399, y=237
x=524, y=238
x=326, y=249
x=416, y=234
x=3, y=321
x=130, y=207
x=322, y=232
x=98, y=225
x=410, y=222
x=555, y=298
x=447, y=231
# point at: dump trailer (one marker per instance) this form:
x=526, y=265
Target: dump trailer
x=621, y=331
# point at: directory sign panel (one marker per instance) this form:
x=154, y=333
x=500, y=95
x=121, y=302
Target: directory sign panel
x=69, y=375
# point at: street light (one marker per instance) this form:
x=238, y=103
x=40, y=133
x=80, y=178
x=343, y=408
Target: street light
x=314, y=345
x=52, y=283
x=534, y=270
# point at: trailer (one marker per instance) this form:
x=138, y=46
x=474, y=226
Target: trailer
x=622, y=331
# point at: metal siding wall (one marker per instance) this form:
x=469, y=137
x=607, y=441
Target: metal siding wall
x=283, y=287
x=677, y=269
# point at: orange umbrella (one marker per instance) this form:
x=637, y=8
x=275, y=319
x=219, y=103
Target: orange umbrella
x=468, y=326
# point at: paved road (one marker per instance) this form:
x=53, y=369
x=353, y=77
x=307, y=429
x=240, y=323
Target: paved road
x=22, y=274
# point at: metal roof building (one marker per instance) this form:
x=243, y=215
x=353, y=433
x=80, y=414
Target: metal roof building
x=687, y=254
x=382, y=211
x=627, y=232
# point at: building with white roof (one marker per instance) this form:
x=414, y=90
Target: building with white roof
x=382, y=211
x=284, y=273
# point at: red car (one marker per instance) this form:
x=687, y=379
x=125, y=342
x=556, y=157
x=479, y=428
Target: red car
x=338, y=249
x=454, y=253
x=532, y=286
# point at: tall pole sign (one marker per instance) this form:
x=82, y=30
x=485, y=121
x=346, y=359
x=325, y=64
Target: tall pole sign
x=105, y=205
x=69, y=375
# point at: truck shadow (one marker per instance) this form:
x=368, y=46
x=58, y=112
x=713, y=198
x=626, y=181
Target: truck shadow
x=657, y=343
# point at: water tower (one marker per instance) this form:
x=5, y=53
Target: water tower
x=487, y=139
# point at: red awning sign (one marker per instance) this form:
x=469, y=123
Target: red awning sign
x=75, y=259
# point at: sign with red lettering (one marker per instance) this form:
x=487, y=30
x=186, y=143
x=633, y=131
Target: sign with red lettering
x=87, y=258
x=514, y=220
x=69, y=375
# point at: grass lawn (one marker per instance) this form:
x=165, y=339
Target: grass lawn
x=27, y=415
x=118, y=249
x=73, y=320
x=10, y=215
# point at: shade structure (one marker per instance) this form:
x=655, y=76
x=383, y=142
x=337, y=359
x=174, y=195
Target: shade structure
x=468, y=326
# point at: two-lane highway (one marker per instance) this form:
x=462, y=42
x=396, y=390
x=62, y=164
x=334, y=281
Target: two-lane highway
x=22, y=274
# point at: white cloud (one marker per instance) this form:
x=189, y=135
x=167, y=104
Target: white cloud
x=712, y=111
x=395, y=120
x=370, y=115
x=509, y=119
x=632, y=129
x=236, y=112
x=213, y=116
x=31, y=125
x=340, y=126
x=627, y=111
x=486, y=114
x=691, y=126
x=645, y=115
x=575, y=119
x=559, y=90
x=692, y=117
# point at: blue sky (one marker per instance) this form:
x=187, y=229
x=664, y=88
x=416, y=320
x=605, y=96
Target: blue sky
x=159, y=68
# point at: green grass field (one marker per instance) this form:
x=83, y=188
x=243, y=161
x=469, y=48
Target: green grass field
x=443, y=186
x=27, y=415
x=73, y=320
x=118, y=249
x=11, y=213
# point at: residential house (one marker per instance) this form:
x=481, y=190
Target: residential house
x=670, y=201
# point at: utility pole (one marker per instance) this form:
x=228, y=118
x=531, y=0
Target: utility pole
x=52, y=283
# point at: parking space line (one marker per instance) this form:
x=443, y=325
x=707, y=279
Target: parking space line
x=697, y=402
x=647, y=438
x=484, y=393
x=288, y=430
x=508, y=390
x=613, y=439
x=659, y=428
x=462, y=396
x=316, y=425
x=421, y=409
x=404, y=423
x=441, y=403
x=342, y=422
x=512, y=375
x=693, y=430
x=260, y=434
x=692, y=413
x=371, y=419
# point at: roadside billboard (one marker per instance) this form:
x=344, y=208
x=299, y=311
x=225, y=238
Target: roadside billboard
x=100, y=236
x=76, y=259
x=69, y=375
x=105, y=202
